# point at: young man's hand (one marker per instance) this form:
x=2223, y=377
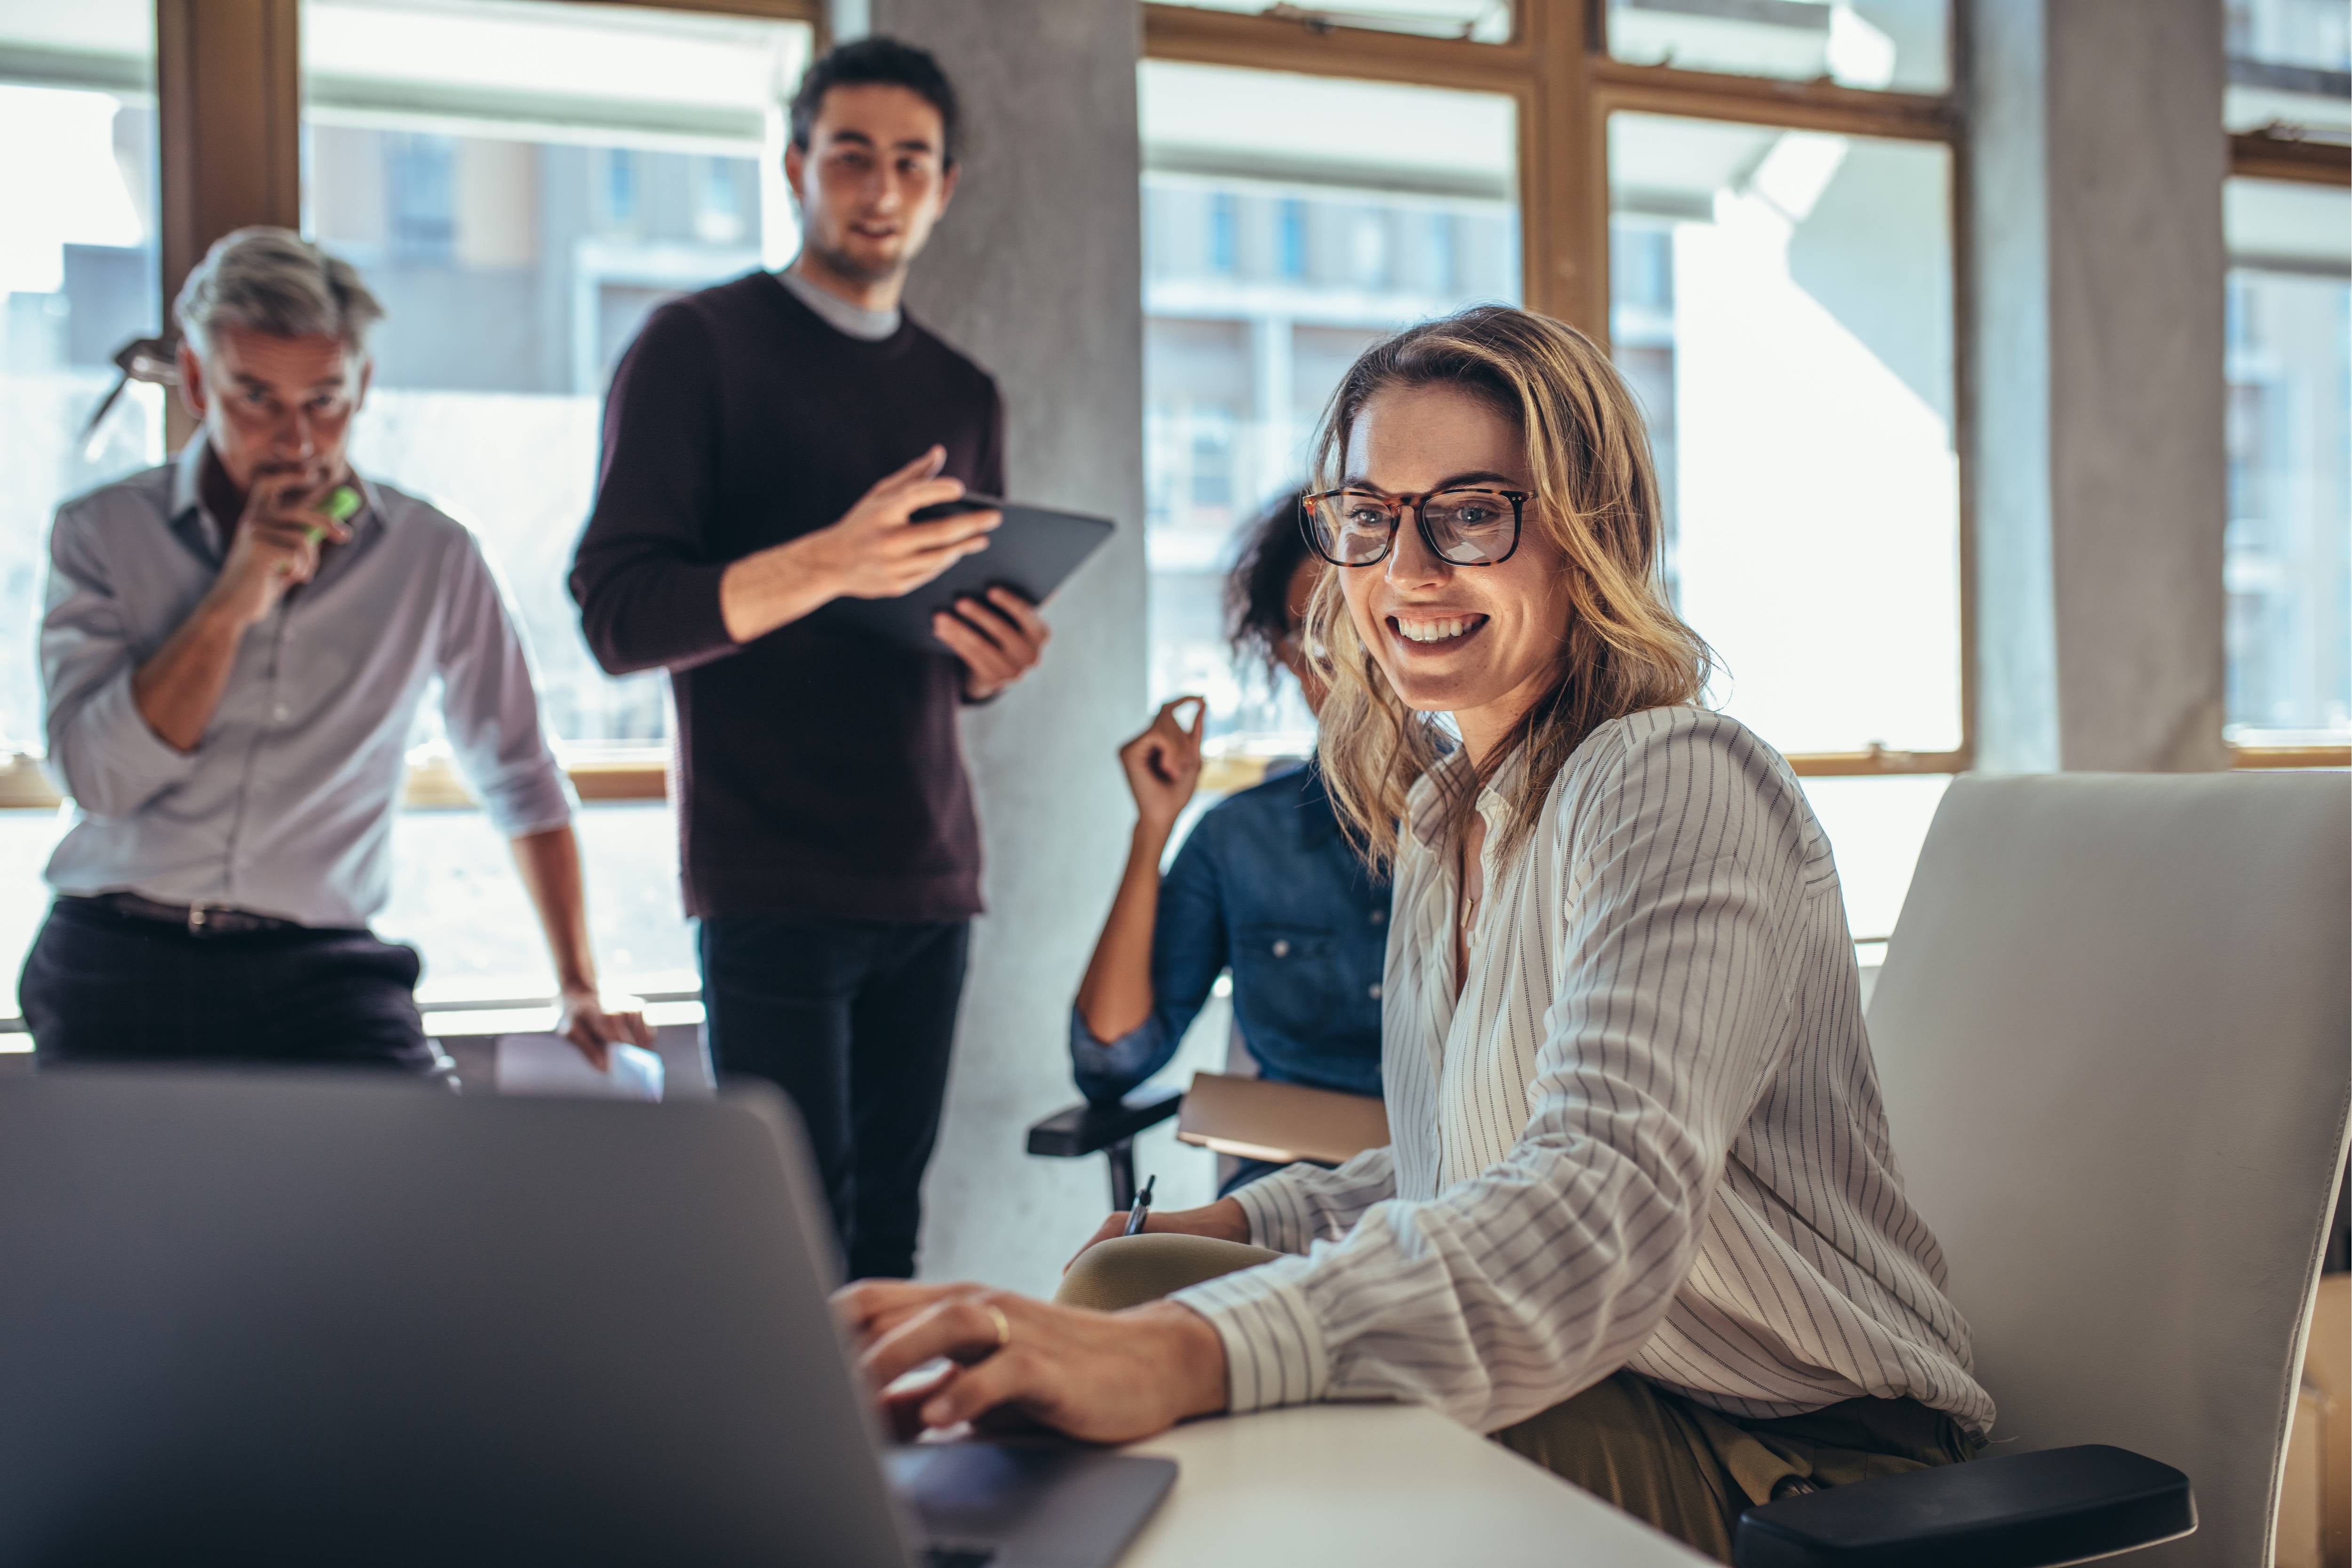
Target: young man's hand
x=1000, y=641
x=873, y=552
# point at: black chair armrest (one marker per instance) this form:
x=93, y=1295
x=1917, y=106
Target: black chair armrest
x=2019, y=1510
x=1086, y=1129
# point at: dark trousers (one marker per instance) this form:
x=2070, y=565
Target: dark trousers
x=852, y=1019
x=104, y=987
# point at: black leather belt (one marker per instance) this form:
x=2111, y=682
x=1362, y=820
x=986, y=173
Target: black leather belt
x=198, y=919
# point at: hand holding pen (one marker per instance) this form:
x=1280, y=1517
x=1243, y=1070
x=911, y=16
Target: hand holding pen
x=1223, y=1220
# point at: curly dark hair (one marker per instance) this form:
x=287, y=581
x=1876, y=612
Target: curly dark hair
x=890, y=63
x=1257, y=590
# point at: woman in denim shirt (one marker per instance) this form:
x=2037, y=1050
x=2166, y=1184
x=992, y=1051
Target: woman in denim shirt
x=1265, y=885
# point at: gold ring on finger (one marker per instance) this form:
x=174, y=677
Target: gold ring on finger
x=1004, y=1325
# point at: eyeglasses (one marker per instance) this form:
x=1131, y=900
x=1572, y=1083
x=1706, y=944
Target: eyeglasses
x=1466, y=527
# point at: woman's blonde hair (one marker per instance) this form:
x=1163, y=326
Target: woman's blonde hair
x=1596, y=499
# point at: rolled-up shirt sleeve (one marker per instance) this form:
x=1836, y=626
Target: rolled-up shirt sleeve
x=490, y=708
x=1189, y=950
x=1519, y=1287
x=1300, y=1205
x=102, y=750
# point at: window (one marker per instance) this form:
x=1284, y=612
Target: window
x=521, y=181
x=1899, y=44
x=77, y=281
x=2288, y=309
x=1779, y=177
x=550, y=173
x=1476, y=21
x=1784, y=306
x=1271, y=203
x=2287, y=561
x=455, y=896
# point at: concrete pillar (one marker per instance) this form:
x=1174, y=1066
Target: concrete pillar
x=2095, y=223
x=1037, y=272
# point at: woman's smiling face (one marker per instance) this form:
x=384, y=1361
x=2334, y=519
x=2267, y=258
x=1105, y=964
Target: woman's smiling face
x=1482, y=643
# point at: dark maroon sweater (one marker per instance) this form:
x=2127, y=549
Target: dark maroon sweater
x=817, y=769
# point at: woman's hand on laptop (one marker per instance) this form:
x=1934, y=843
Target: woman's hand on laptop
x=1223, y=1219
x=1105, y=1377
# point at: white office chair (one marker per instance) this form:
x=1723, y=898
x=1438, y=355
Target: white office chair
x=2116, y=1043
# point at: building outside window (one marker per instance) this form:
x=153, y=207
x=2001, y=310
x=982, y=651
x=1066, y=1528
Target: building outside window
x=2287, y=561
x=421, y=218
x=1782, y=306
x=1291, y=238
x=620, y=168
x=2287, y=548
x=719, y=220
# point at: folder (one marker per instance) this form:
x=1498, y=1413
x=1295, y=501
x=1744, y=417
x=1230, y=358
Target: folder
x=1257, y=1120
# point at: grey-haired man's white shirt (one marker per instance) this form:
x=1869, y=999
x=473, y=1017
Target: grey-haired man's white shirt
x=285, y=806
x=1647, y=1134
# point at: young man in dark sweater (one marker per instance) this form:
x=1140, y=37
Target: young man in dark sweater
x=765, y=442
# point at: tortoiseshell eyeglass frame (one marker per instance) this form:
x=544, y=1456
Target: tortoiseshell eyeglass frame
x=1396, y=506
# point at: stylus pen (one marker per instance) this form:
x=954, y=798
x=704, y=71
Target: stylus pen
x=1142, y=1206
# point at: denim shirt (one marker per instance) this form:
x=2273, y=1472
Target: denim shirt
x=1268, y=886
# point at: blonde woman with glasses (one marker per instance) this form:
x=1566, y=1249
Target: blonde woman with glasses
x=1640, y=1219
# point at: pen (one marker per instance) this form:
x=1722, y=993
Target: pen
x=1142, y=1206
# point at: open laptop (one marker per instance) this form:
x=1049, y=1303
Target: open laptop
x=283, y=1318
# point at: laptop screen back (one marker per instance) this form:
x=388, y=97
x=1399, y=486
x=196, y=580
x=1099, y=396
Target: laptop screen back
x=272, y=1319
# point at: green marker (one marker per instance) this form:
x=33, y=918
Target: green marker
x=343, y=504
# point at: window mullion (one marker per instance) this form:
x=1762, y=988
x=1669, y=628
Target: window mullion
x=229, y=109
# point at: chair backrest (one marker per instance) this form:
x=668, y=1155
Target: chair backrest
x=2114, y=1034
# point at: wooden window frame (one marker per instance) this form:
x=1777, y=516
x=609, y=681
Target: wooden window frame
x=1555, y=69
x=2260, y=155
x=228, y=99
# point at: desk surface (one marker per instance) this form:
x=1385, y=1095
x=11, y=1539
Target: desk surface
x=1369, y=1485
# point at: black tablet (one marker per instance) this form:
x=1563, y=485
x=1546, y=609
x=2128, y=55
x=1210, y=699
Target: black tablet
x=1031, y=552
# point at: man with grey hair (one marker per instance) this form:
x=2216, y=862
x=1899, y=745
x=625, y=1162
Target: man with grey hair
x=234, y=650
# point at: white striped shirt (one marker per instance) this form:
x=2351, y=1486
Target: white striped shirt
x=1647, y=1136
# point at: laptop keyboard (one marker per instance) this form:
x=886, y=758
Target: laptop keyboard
x=958, y=1556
